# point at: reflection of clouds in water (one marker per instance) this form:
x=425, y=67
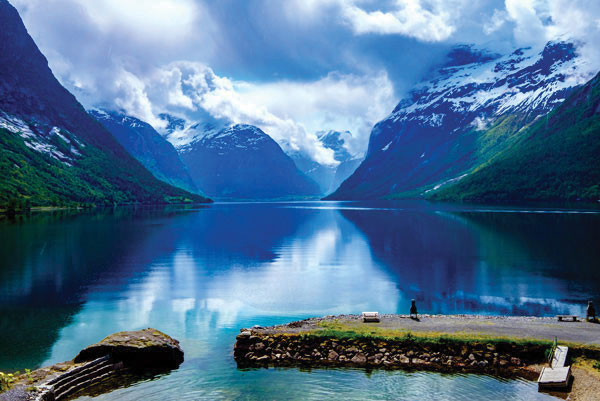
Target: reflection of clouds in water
x=308, y=279
x=140, y=297
x=317, y=274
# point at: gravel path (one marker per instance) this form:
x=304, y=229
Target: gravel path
x=517, y=327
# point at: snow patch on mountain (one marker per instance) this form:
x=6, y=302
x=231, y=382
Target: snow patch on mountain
x=39, y=140
x=16, y=126
x=183, y=134
x=241, y=136
x=527, y=80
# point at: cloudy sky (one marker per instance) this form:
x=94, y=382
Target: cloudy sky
x=291, y=67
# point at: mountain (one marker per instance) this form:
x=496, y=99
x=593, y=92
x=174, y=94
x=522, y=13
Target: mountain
x=556, y=159
x=51, y=151
x=326, y=176
x=471, y=109
x=181, y=133
x=242, y=162
x=145, y=144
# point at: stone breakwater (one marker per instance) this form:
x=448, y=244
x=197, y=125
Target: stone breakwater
x=498, y=345
x=254, y=348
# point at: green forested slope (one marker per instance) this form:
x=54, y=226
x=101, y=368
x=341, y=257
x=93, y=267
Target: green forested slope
x=28, y=175
x=556, y=159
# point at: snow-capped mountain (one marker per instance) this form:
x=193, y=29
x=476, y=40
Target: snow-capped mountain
x=52, y=151
x=242, y=162
x=326, y=176
x=469, y=110
x=145, y=144
x=181, y=133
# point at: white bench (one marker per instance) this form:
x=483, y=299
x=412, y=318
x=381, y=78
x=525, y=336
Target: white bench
x=561, y=318
x=370, y=317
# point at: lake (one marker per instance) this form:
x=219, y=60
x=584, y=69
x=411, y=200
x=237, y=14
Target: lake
x=201, y=273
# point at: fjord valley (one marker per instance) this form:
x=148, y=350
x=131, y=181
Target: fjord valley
x=299, y=200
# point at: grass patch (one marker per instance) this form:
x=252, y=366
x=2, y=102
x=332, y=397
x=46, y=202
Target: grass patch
x=590, y=365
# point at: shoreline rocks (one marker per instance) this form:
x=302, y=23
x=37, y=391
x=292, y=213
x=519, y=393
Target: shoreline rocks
x=117, y=361
x=143, y=348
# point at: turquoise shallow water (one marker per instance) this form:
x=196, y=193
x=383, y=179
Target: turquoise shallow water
x=201, y=274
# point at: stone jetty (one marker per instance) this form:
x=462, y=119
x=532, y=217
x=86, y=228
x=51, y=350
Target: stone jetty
x=116, y=361
x=495, y=345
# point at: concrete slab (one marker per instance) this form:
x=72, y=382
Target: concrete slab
x=554, y=378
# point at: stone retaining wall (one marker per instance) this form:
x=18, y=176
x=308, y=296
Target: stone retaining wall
x=500, y=358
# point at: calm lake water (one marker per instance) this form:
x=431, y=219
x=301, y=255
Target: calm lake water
x=201, y=274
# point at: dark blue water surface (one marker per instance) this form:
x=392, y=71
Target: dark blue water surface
x=200, y=274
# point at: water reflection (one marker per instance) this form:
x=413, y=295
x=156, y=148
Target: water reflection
x=201, y=274
x=487, y=262
x=322, y=266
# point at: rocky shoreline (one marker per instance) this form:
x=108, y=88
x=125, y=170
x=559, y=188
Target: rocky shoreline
x=119, y=360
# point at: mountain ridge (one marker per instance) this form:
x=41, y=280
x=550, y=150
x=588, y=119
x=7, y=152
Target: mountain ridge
x=241, y=162
x=461, y=117
x=150, y=148
x=326, y=176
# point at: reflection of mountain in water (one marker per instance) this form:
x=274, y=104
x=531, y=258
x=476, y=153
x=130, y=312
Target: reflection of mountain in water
x=246, y=234
x=560, y=246
x=27, y=334
x=491, y=263
x=50, y=260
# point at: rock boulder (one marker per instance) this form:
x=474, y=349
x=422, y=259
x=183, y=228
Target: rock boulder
x=143, y=348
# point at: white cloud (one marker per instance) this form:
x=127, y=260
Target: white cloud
x=290, y=112
x=430, y=21
x=155, y=18
x=535, y=22
x=528, y=16
x=152, y=20
x=498, y=19
x=337, y=101
x=426, y=20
